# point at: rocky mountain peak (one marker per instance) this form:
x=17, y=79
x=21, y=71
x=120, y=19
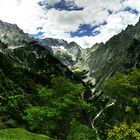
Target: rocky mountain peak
x=67, y=53
x=12, y=35
x=73, y=44
x=51, y=42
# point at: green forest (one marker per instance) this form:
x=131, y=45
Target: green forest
x=59, y=107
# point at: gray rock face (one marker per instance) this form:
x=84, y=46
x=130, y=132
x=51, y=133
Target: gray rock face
x=12, y=35
x=120, y=53
x=2, y=46
x=53, y=42
x=68, y=53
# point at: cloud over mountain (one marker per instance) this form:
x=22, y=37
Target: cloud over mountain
x=83, y=21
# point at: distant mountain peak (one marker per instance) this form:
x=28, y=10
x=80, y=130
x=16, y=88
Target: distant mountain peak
x=12, y=35
x=74, y=44
x=52, y=42
x=67, y=53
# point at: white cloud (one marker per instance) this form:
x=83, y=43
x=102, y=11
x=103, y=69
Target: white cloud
x=45, y=3
x=24, y=13
x=133, y=3
x=52, y=2
x=28, y=15
x=64, y=20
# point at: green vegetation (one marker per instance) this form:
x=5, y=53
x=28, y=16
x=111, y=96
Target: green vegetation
x=124, y=90
x=124, y=86
x=20, y=134
x=63, y=56
x=81, y=132
x=125, y=132
x=37, y=95
x=43, y=96
x=59, y=106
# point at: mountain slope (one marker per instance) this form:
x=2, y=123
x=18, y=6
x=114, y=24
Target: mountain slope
x=22, y=71
x=120, y=53
x=12, y=35
x=30, y=83
x=32, y=63
x=20, y=134
x=34, y=84
x=67, y=53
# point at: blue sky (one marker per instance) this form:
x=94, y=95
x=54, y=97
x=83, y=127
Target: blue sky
x=83, y=21
x=87, y=30
x=61, y=5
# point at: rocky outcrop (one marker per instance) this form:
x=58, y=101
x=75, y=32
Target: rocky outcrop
x=12, y=35
x=51, y=42
x=68, y=53
x=120, y=53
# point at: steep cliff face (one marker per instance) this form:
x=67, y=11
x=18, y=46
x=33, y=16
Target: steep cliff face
x=51, y=42
x=120, y=53
x=68, y=53
x=12, y=35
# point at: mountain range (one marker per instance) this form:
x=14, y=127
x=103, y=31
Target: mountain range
x=99, y=62
x=26, y=62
